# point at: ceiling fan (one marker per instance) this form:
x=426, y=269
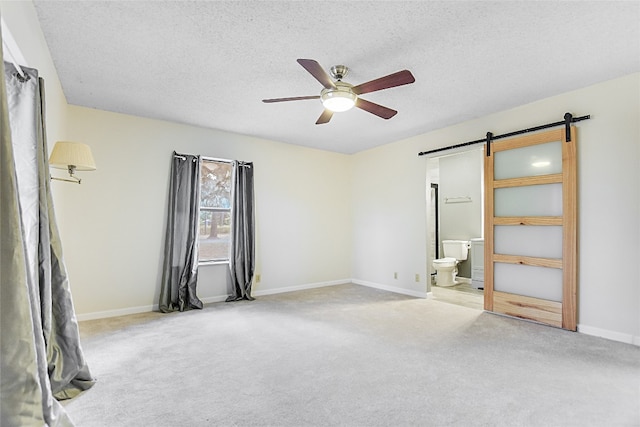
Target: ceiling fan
x=338, y=96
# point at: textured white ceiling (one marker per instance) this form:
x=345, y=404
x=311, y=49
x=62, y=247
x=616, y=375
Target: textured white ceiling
x=211, y=63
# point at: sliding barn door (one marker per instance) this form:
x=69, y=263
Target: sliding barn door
x=530, y=228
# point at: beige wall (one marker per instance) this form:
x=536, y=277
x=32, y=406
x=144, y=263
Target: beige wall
x=325, y=217
x=114, y=236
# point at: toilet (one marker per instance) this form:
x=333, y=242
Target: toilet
x=447, y=267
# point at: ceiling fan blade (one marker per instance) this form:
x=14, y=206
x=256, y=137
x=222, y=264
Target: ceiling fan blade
x=325, y=117
x=400, y=78
x=316, y=71
x=373, y=108
x=295, y=98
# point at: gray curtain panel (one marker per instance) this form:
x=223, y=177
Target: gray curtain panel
x=242, y=257
x=180, y=271
x=41, y=358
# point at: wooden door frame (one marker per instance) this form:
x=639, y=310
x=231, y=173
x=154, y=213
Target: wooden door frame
x=561, y=314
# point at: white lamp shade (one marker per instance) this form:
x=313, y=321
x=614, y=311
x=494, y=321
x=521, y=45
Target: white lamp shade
x=67, y=153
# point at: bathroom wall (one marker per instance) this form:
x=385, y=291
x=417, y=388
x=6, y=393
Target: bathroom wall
x=461, y=178
x=433, y=178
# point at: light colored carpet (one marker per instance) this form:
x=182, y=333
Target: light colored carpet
x=349, y=355
x=462, y=294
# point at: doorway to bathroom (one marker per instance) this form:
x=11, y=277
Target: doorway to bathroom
x=455, y=211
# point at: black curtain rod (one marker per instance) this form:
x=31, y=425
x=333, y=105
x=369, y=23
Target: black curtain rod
x=568, y=118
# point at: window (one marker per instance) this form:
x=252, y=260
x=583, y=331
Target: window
x=215, y=210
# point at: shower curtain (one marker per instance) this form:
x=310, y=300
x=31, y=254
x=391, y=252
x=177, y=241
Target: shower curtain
x=41, y=359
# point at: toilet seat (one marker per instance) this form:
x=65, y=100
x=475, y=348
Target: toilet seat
x=444, y=262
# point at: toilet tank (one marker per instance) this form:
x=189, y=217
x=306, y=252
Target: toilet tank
x=457, y=249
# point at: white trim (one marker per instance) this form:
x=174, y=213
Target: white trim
x=610, y=335
x=583, y=329
x=206, y=300
x=137, y=310
x=206, y=263
x=449, y=151
x=117, y=312
x=218, y=298
x=394, y=289
x=10, y=44
x=258, y=293
x=213, y=159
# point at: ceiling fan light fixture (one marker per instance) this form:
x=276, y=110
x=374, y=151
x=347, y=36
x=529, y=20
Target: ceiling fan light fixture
x=338, y=96
x=338, y=100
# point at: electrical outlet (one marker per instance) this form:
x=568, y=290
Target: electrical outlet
x=257, y=278
x=395, y=275
x=417, y=277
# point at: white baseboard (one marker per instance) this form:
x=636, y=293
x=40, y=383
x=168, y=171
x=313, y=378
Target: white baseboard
x=136, y=310
x=394, y=289
x=117, y=312
x=206, y=300
x=610, y=335
x=584, y=329
x=219, y=298
x=259, y=293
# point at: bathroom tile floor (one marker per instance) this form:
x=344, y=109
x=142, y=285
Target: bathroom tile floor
x=462, y=294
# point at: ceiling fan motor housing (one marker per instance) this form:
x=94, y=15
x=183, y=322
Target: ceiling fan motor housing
x=338, y=72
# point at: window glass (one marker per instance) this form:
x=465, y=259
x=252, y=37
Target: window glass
x=215, y=184
x=215, y=210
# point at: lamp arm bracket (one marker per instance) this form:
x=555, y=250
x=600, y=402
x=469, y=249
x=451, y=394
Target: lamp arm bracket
x=72, y=179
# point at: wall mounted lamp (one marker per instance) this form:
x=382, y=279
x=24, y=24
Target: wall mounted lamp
x=72, y=156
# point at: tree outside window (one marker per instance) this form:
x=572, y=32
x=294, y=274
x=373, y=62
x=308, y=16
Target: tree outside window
x=215, y=210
